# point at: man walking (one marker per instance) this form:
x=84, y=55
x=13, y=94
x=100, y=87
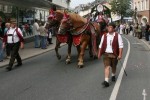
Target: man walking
x=14, y=40
x=111, y=48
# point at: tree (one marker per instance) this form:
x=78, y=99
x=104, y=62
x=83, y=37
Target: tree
x=121, y=7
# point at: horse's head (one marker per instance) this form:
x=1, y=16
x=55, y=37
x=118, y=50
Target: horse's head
x=52, y=18
x=65, y=24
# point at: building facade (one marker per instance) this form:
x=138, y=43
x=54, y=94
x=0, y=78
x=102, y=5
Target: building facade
x=26, y=12
x=142, y=7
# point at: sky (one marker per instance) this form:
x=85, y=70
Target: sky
x=75, y=3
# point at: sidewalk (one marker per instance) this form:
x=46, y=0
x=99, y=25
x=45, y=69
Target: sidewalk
x=29, y=51
x=146, y=42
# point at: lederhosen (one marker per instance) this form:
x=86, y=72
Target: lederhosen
x=110, y=59
x=14, y=49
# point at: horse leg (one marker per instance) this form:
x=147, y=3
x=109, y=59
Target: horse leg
x=78, y=50
x=83, y=47
x=90, y=49
x=68, y=60
x=56, y=49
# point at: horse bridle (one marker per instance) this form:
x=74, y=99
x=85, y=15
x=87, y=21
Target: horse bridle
x=70, y=26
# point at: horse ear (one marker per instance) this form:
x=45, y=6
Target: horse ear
x=51, y=14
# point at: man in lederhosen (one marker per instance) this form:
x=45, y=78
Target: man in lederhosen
x=14, y=39
x=111, y=48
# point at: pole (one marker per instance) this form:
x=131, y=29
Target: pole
x=123, y=67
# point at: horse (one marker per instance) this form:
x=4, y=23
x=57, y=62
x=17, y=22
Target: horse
x=54, y=21
x=83, y=31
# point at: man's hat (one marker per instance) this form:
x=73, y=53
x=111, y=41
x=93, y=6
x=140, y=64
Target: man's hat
x=13, y=20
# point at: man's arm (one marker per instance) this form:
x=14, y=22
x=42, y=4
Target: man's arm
x=120, y=46
x=100, y=46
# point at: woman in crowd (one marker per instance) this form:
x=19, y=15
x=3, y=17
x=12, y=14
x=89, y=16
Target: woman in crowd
x=43, y=35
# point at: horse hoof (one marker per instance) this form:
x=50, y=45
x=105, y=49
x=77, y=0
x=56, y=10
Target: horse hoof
x=59, y=57
x=68, y=62
x=80, y=66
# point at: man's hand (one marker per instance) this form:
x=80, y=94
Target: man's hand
x=119, y=57
x=22, y=45
x=99, y=54
x=3, y=46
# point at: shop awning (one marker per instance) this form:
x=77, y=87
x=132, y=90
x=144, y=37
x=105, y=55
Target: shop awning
x=29, y=3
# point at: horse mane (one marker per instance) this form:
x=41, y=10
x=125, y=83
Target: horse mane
x=77, y=19
x=59, y=14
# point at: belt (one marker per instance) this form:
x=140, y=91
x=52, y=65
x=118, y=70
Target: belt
x=13, y=43
x=110, y=55
x=10, y=35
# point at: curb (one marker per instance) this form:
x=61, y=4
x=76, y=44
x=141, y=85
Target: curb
x=146, y=43
x=50, y=49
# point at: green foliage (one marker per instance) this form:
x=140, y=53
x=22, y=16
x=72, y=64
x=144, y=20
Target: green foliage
x=121, y=7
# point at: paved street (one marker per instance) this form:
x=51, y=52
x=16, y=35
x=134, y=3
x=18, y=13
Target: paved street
x=45, y=78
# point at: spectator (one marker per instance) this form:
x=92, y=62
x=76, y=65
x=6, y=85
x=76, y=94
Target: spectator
x=43, y=35
x=14, y=39
x=147, y=32
x=36, y=34
x=131, y=29
x=1, y=40
x=121, y=29
x=49, y=38
x=127, y=29
x=139, y=31
x=7, y=46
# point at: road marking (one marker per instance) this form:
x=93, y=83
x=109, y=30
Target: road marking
x=144, y=94
x=118, y=82
x=137, y=43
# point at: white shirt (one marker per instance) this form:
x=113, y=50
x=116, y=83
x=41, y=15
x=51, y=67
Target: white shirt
x=35, y=29
x=109, y=42
x=14, y=37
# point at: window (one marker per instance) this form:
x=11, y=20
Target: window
x=139, y=6
x=147, y=5
x=135, y=5
x=5, y=9
x=9, y=9
x=1, y=7
x=142, y=5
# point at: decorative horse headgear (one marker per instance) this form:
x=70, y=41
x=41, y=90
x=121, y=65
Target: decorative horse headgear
x=52, y=14
x=100, y=18
x=66, y=16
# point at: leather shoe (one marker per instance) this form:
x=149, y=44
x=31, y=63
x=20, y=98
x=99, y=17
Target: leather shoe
x=113, y=78
x=105, y=84
x=9, y=68
x=18, y=65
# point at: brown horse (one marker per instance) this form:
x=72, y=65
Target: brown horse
x=83, y=31
x=54, y=21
